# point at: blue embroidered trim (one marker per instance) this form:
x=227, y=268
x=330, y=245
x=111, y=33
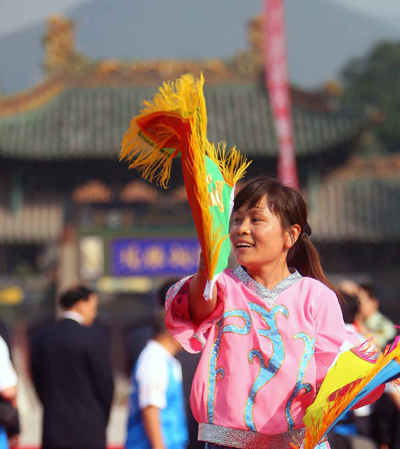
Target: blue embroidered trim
x=309, y=347
x=213, y=370
x=267, y=371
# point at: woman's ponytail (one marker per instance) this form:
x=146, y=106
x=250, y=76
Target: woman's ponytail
x=305, y=258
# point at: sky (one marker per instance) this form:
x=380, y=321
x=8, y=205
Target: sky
x=17, y=14
x=388, y=9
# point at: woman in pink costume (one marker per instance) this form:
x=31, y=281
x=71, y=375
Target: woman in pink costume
x=271, y=331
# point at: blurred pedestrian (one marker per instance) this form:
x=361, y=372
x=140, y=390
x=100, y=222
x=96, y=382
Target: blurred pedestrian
x=157, y=418
x=386, y=420
x=355, y=422
x=9, y=424
x=380, y=420
x=349, y=287
x=376, y=323
x=189, y=364
x=136, y=337
x=71, y=371
x=4, y=334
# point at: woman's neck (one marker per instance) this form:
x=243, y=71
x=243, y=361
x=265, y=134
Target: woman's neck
x=269, y=276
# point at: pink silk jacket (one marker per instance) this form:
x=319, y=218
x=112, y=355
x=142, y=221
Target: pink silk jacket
x=265, y=354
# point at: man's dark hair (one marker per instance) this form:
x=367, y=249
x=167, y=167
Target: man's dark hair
x=159, y=327
x=349, y=306
x=163, y=290
x=370, y=290
x=70, y=297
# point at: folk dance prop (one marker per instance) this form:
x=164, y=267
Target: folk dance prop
x=356, y=373
x=174, y=124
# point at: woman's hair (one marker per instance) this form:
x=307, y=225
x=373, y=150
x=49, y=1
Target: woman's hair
x=290, y=208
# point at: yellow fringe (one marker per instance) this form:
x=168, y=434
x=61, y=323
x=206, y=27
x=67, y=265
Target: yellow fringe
x=199, y=144
x=396, y=385
x=232, y=164
x=233, y=167
x=214, y=238
x=317, y=429
x=185, y=98
x=150, y=159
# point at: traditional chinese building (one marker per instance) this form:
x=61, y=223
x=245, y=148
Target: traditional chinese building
x=67, y=202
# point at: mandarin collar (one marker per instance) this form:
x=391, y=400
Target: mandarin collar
x=270, y=296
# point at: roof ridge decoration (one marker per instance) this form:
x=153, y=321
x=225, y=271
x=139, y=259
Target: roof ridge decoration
x=33, y=98
x=65, y=67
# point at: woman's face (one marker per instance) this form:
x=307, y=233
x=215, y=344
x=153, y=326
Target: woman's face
x=257, y=237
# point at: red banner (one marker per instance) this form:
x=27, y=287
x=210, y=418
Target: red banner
x=278, y=85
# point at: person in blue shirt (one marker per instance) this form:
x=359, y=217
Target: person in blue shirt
x=157, y=417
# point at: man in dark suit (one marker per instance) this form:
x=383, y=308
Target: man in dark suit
x=72, y=375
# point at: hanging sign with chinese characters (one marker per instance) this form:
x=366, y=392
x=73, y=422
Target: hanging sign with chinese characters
x=154, y=257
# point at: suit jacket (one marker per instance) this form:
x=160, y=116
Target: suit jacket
x=72, y=375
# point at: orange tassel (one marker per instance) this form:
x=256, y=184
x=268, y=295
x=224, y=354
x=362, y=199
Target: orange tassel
x=317, y=430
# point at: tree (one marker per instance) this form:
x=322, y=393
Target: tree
x=374, y=79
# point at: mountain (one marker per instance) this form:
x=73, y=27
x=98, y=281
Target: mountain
x=322, y=35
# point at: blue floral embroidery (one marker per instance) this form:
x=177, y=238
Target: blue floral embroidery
x=267, y=371
x=213, y=370
x=305, y=360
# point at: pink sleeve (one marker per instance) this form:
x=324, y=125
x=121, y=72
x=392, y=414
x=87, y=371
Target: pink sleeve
x=177, y=319
x=330, y=334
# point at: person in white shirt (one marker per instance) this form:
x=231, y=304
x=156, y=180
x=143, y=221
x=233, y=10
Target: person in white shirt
x=359, y=421
x=8, y=386
x=157, y=418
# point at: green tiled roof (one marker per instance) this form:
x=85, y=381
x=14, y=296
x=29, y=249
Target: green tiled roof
x=357, y=210
x=90, y=123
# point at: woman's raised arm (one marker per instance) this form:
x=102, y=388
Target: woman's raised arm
x=200, y=308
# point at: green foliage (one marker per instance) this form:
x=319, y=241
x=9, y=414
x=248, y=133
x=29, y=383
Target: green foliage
x=374, y=79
